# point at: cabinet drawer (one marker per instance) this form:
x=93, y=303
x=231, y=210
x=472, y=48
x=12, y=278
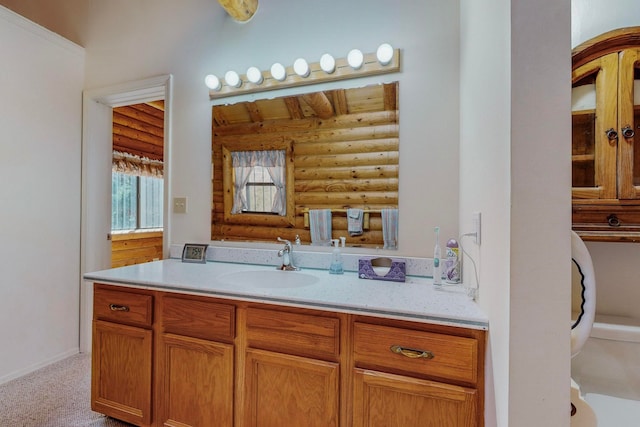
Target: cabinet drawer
x=198, y=318
x=607, y=217
x=294, y=333
x=122, y=307
x=453, y=358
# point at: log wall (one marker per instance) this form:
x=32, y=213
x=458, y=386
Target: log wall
x=135, y=248
x=347, y=161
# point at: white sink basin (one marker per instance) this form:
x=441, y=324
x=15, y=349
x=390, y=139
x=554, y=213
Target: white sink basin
x=268, y=279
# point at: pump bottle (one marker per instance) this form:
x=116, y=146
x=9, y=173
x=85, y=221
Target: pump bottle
x=336, y=259
x=437, y=254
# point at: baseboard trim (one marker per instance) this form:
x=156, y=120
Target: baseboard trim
x=32, y=368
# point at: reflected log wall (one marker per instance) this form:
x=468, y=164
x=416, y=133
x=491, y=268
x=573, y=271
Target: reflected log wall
x=347, y=161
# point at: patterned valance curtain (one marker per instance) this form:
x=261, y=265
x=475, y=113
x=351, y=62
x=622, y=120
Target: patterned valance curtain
x=136, y=165
x=244, y=161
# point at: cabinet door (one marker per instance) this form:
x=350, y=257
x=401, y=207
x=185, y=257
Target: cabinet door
x=628, y=121
x=283, y=390
x=387, y=400
x=121, y=372
x=197, y=382
x=594, y=113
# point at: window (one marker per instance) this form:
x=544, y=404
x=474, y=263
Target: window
x=136, y=202
x=265, y=171
x=260, y=191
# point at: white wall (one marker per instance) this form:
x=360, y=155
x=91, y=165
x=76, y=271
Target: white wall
x=590, y=18
x=202, y=39
x=615, y=264
x=40, y=117
x=485, y=178
x=514, y=112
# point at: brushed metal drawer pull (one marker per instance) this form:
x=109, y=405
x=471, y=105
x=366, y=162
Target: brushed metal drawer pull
x=411, y=353
x=116, y=307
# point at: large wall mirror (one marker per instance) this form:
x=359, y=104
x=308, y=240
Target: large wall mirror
x=317, y=165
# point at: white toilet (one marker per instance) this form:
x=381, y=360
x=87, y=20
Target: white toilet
x=582, y=415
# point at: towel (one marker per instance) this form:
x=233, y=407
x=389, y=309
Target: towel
x=320, y=227
x=354, y=221
x=390, y=228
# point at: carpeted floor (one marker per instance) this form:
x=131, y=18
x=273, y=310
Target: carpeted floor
x=57, y=395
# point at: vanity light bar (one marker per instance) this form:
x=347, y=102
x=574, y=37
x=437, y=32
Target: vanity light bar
x=372, y=65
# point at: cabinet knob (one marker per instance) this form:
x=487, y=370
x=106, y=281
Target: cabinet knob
x=411, y=352
x=613, y=220
x=611, y=134
x=628, y=131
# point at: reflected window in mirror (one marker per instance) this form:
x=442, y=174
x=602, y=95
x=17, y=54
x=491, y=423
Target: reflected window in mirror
x=259, y=182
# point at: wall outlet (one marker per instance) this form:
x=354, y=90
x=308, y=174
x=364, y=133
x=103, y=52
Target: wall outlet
x=477, y=226
x=180, y=205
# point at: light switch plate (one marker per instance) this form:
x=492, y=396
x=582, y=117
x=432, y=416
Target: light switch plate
x=180, y=205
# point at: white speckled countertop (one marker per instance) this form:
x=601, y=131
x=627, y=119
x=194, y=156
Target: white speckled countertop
x=416, y=299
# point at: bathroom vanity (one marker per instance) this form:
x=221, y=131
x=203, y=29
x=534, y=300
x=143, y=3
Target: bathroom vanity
x=212, y=344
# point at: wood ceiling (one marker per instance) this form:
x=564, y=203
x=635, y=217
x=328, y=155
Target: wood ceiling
x=139, y=129
x=322, y=105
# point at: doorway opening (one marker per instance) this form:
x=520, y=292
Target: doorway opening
x=97, y=165
x=137, y=183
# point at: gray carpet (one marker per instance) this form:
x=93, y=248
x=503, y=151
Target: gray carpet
x=57, y=395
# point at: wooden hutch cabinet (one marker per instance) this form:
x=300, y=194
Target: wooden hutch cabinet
x=605, y=118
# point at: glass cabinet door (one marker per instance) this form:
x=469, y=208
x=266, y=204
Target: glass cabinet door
x=595, y=129
x=628, y=121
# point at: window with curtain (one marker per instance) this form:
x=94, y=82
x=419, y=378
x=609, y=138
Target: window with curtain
x=259, y=182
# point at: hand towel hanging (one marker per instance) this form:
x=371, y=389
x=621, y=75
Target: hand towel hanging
x=354, y=221
x=390, y=228
x=320, y=227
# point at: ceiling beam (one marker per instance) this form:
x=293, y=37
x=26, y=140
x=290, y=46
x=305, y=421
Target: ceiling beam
x=320, y=104
x=240, y=10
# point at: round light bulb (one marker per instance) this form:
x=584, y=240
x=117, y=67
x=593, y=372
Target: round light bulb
x=301, y=67
x=327, y=63
x=384, y=53
x=232, y=79
x=212, y=82
x=254, y=75
x=355, y=58
x=278, y=71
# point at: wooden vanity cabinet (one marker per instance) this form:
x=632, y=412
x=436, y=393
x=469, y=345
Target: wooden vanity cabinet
x=605, y=119
x=212, y=362
x=122, y=347
x=292, y=370
x=195, y=361
x=416, y=375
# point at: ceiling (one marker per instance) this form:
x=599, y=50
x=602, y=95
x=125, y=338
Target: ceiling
x=69, y=18
x=139, y=129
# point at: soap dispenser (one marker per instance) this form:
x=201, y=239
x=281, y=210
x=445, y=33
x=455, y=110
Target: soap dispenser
x=336, y=259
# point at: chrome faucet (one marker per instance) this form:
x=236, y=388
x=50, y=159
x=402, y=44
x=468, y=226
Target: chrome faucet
x=286, y=254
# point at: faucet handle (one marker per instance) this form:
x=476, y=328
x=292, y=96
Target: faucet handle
x=285, y=241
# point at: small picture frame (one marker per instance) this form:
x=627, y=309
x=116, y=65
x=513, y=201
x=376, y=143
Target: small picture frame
x=195, y=252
